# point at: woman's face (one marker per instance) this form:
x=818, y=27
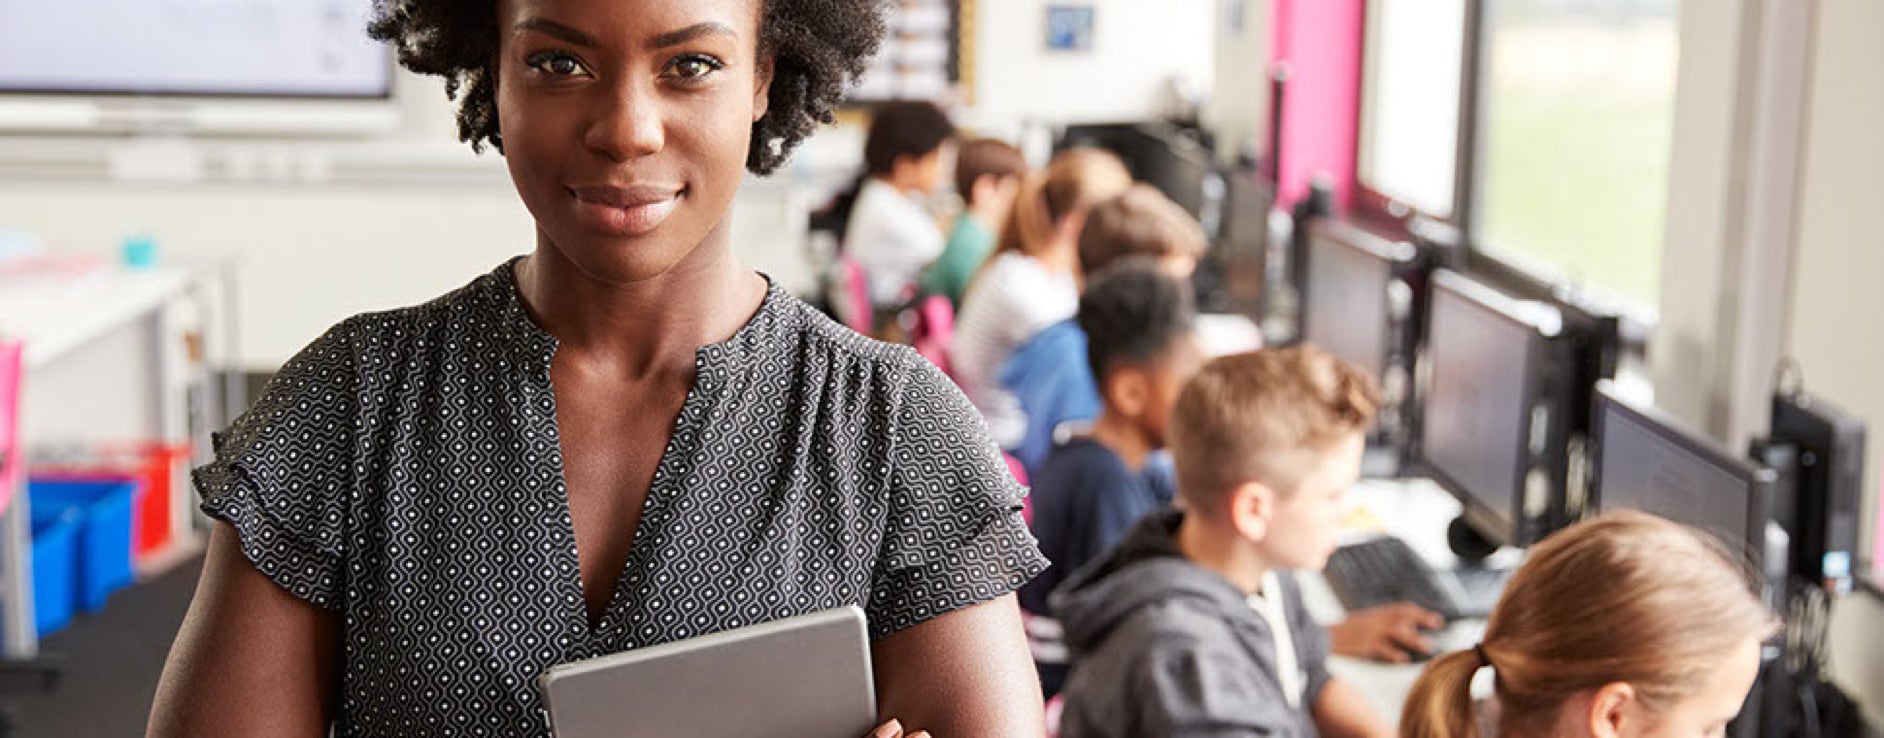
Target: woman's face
x=626, y=125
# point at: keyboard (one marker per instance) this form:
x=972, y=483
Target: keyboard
x=1386, y=570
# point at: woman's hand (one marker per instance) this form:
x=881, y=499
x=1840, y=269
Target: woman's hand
x=894, y=729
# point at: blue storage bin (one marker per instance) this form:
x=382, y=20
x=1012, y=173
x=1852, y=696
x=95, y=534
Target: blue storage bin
x=104, y=540
x=55, y=575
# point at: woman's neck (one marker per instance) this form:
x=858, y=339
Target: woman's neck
x=647, y=326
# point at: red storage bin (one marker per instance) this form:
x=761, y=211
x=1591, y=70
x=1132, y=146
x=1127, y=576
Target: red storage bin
x=153, y=465
x=150, y=531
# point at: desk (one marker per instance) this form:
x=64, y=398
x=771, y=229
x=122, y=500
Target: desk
x=1416, y=511
x=104, y=360
x=1222, y=334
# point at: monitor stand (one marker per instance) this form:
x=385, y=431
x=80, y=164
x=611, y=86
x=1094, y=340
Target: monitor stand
x=1471, y=546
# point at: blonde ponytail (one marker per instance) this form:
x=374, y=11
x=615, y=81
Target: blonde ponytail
x=1075, y=180
x=1440, y=705
x=1625, y=597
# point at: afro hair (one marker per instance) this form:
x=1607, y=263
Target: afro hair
x=818, y=47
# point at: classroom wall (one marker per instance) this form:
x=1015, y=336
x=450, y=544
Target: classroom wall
x=1239, y=102
x=1137, y=45
x=1834, y=327
x=1320, y=42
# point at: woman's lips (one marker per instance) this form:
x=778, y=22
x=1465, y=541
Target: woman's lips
x=626, y=211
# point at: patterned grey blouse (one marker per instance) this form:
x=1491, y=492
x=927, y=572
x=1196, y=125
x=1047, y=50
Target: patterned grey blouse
x=404, y=472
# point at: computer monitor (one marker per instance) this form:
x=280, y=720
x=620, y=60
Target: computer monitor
x=1234, y=273
x=1819, y=451
x=1354, y=294
x=1159, y=154
x=1491, y=426
x=1646, y=461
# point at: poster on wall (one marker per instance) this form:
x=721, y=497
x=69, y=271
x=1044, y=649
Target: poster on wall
x=1069, y=27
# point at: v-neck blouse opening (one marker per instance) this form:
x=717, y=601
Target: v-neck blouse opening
x=711, y=361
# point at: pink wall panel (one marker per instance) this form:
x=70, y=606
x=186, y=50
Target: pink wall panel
x=1320, y=41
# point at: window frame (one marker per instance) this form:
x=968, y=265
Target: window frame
x=1382, y=212
x=1384, y=215
x=1638, y=318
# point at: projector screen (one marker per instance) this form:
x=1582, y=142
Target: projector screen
x=249, y=48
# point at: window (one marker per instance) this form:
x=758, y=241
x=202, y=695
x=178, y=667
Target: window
x=1577, y=113
x=1410, y=102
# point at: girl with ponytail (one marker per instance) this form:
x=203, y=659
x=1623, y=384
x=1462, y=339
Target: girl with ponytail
x=1030, y=281
x=1624, y=625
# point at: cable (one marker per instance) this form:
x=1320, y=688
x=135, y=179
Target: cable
x=1789, y=378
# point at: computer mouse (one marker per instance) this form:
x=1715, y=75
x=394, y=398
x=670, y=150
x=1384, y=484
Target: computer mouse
x=1419, y=656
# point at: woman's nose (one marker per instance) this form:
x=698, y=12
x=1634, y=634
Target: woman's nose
x=627, y=125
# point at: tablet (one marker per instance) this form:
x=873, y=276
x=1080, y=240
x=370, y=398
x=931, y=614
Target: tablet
x=801, y=676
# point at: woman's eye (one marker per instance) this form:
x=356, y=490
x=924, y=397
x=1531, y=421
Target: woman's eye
x=693, y=67
x=556, y=65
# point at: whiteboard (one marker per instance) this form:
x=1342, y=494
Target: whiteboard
x=263, y=48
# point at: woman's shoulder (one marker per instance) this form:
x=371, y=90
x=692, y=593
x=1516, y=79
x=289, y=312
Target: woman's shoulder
x=371, y=348
x=824, y=341
x=476, y=312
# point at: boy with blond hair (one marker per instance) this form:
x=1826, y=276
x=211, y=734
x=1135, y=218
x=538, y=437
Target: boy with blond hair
x=1193, y=625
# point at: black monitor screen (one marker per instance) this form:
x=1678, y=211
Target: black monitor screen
x=1156, y=154
x=1647, y=463
x=1477, y=417
x=1233, y=274
x=1346, y=307
x=1245, y=230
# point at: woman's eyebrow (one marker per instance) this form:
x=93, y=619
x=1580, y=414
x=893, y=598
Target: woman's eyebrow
x=556, y=30
x=676, y=38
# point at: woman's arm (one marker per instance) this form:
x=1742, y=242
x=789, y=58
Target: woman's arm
x=251, y=659
x=965, y=673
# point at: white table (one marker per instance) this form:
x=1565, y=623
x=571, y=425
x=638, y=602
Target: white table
x=105, y=360
x=1416, y=511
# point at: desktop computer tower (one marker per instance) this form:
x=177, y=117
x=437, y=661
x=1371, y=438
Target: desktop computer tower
x=1819, y=451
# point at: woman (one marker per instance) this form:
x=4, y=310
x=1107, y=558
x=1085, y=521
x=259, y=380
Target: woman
x=1626, y=625
x=1031, y=281
x=622, y=439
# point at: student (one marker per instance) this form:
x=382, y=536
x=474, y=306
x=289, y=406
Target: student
x=1624, y=625
x=891, y=233
x=1030, y=281
x=1193, y=626
x=1051, y=379
x=988, y=175
x=1143, y=347
x=580, y=452
x=1048, y=374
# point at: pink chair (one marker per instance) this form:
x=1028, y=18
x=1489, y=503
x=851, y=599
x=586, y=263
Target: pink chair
x=1020, y=475
x=857, y=296
x=935, y=328
x=12, y=456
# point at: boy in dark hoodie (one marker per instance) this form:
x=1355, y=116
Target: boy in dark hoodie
x=1093, y=487
x=1192, y=626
